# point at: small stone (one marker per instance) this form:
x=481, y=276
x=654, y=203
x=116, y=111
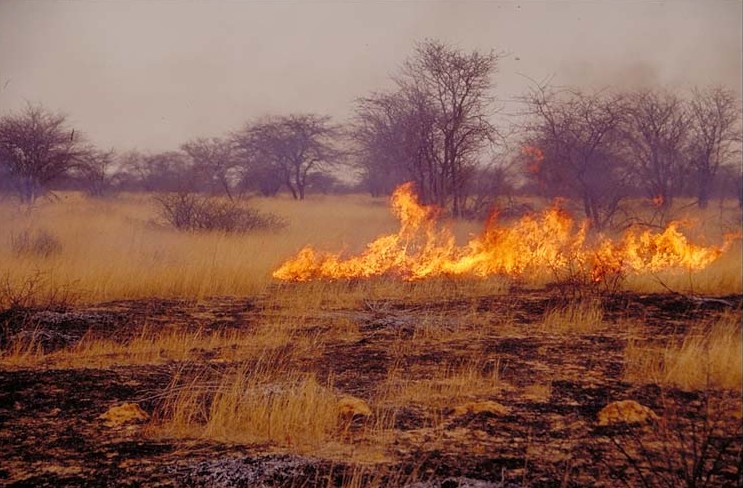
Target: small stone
x=625, y=412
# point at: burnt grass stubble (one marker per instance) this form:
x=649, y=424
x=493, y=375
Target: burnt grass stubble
x=50, y=434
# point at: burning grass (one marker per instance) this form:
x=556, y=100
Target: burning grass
x=550, y=241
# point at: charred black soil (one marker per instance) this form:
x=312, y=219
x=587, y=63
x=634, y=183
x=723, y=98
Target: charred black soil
x=553, y=385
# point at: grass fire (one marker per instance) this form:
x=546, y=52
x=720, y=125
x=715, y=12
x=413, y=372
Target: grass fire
x=549, y=242
x=371, y=244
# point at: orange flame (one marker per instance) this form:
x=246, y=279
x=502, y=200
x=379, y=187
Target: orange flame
x=550, y=240
x=657, y=201
x=535, y=158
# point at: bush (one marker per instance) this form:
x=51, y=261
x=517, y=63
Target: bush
x=40, y=243
x=191, y=212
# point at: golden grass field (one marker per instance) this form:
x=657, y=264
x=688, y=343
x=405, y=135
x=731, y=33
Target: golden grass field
x=117, y=249
x=396, y=382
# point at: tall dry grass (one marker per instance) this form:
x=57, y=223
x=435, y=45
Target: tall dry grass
x=270, y=401
x=252, y=404
x=444, y=387
x=581, y=316
x=710, y=355
x=111, y=249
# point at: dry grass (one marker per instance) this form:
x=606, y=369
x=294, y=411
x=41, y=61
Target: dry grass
x=579, y=317
x=157, y=346
x=253, y=404
x=111, y=249
x=709, y=356
x=149, y=347
x=270, y=402
x=444, y=387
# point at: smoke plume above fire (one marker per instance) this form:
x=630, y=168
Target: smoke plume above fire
x=549, y=241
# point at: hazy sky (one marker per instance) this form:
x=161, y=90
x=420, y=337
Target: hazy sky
x=152, y=74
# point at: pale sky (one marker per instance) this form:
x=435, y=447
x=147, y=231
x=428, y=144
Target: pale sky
x=153, y=74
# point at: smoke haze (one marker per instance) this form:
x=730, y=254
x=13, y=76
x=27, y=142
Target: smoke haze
x=151, y=75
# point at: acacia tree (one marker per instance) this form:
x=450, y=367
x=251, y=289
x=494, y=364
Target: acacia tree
x=714, y=136
x=656, y=129
x=573, y=148
x=36, y=148
x=292, y=147
x=214, y=159
x=434, y=124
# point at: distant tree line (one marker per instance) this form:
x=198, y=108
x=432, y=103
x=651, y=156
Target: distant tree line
x=435, y=128
x=603, y=146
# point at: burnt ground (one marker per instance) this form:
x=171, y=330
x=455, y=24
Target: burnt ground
x=51, y=434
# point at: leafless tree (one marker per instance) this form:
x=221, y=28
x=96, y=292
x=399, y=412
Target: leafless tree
x=572, y=148
x=488, y=183
x=36, y=148
x=293, y=147
x=396, y=140
x=95, y=171
x=656, y=129
x=433, y=126
x=213, y=159
x=457, y=85
x=714, y=136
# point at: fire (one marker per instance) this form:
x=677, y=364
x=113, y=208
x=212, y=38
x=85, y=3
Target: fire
x=657, y=201
x=550, y=240
x=535, y=158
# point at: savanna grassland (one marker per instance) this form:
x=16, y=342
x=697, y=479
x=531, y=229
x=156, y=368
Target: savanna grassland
x=137, y=355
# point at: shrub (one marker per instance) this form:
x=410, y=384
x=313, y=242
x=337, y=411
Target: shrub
x=36, y=290
x=191, y=212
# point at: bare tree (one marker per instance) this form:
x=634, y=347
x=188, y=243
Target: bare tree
x=457, y=85
x=95, y=171
x=433, y=127
x=488, y=183
x=396, y=140
x=715, y=136
x=657, y=127
x=293, y=147
x=572, y=148
x=214, y=159
x=36, y=148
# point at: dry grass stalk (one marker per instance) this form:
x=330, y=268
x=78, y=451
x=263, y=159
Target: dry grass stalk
x=581, y=317
x=253, y=404
x=446, y=386
x=155, y=347
x=709, y=356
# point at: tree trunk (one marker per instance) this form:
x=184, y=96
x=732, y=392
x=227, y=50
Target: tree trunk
x=703, y=190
